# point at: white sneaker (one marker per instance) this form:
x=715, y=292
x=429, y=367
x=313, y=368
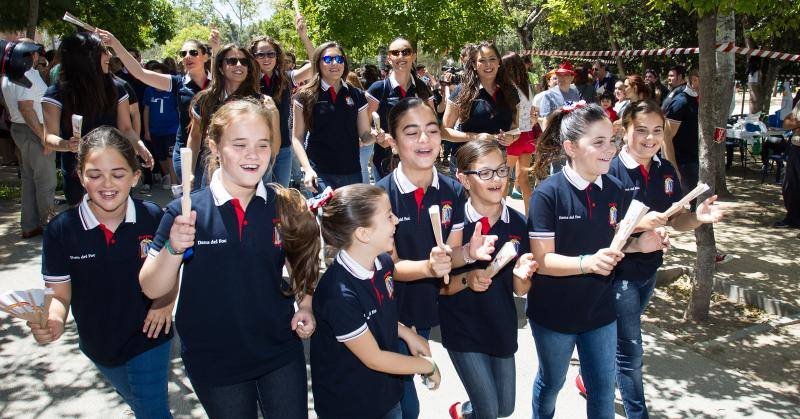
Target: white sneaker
x=177, y=191
x=165, y=183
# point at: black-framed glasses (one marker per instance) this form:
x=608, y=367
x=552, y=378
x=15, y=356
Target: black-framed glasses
x=192, y=52
x=261, y=55
x=487, y=174
x=329, y=59
x=405, y=52
x=232, y=61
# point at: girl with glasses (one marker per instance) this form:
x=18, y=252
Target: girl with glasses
x=331, y=118
x=193, y=55
x=383, y=95
x=484, y=104
x=478, y=314
x=278, y=83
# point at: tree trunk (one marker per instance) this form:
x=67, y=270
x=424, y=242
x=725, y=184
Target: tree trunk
x=702, y=282
x=724, y=80
x=767, y=85
x=614, y=46
x=33, y=18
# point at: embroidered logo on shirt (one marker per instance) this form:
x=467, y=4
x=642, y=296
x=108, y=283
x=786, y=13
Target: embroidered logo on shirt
x=612, y=214
x=83, y=257
x=349, y=101
x=144, y=245
x=447, y=213
x=387, y=279
x=669, y=185
x=515, y=241
x=276, y=234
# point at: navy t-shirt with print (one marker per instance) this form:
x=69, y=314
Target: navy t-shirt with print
x=107, y=301
x=486, y=322
x=658, y=189
x=580, y=222
x=348, y=301
x=413, y=238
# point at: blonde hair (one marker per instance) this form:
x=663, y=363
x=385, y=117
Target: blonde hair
x=226, y=115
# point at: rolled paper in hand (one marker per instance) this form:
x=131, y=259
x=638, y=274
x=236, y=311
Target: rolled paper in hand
x=636, y=212
x=77, y=124
x=186, y=181
x=77, y=22
x=505, y=255
x=694, y=193
x=436, y=223
x=376, y=120
x=296, y=7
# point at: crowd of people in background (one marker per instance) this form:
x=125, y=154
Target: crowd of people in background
x=576, y=144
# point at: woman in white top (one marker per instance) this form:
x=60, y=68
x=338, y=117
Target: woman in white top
x=520, y=151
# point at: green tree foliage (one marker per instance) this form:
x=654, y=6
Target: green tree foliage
x=195, y=31
x=137, y=23
x=281, y=27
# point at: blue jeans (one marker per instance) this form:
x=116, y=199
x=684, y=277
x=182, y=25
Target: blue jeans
x=281, y=170
x=365, y=156
x=490, y=382
x=596, y=349
x=73, y=190
x=199, y=168
x=336, y=181
x=142, y=382
x=631, y=300
x=282, y=393
x=410, y=402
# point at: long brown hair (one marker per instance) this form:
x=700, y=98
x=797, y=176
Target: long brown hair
x=308, y=94
x=209, y=100
x=85, y=89
x=351, y=207
x=283, y=78
x=515, y=67
x=470, y=87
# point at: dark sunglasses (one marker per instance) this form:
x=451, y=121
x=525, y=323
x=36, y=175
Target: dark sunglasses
x=486, y=174
x=262, y=55
x=329, y=59
x=398, y=52
x=192, y=52
x=232, y=61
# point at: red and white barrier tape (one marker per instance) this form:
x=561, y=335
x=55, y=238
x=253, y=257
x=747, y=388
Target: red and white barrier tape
x=727, y=47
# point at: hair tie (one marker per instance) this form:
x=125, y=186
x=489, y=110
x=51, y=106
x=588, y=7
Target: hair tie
x=318, y=201
x=572, y=106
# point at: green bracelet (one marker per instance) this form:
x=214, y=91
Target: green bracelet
x=172, y=250
x=580, y=263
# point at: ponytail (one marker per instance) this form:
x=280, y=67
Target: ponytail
x=300, y=235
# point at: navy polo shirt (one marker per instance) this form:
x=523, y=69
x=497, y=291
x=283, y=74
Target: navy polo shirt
x=485, y=114
x=684, y=108
x=184, y=89
x=233, y=319
x=103, y=270
x=284, y=103
x=53, y=97
x=486, y=322
x=414, y=239
x=348, y=301
x=387, y=93
x=333, y=145
x=581, y=218
x=658, y=188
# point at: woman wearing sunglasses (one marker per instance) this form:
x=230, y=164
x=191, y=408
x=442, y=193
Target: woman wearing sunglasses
x=334, y=115
x=485, y=102
x=384, y=94
x=193, y=55
x=278, y=84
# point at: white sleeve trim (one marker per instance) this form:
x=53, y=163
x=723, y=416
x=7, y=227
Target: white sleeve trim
x=56, y=279
x=352, y=335
x=126, y=97
x=457, y=227
x=299, y=105
x=541, y=235
x=152, y=252
x=372, y=98
x=195, y=114
x=51, y=101
x=363, y=108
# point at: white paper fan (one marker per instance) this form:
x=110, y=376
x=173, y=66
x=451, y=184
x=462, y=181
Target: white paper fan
x=31, y=305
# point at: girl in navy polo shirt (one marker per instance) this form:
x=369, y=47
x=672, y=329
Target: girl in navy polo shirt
x=356, y=372
x=572, y=218
x=240, y=334
x=119, y=328
x=413, y=187
x=278, y=85
x=479, y=316
x=484, y=104
x=653, y=181
x=194, y=56
x=384, y=94
x=86, y=88
x=334, y=115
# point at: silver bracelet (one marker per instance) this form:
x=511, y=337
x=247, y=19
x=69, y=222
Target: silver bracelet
x=465, y=255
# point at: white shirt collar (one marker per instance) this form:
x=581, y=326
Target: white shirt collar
x=473, y=215
x=221, y=195
x=187, y=79
x=88, y=219
x=689, y=91
x=577, y=181
x=325, y=86
x=629, y=161
x=394, y=83
x=355, y=268
x=405, y=185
